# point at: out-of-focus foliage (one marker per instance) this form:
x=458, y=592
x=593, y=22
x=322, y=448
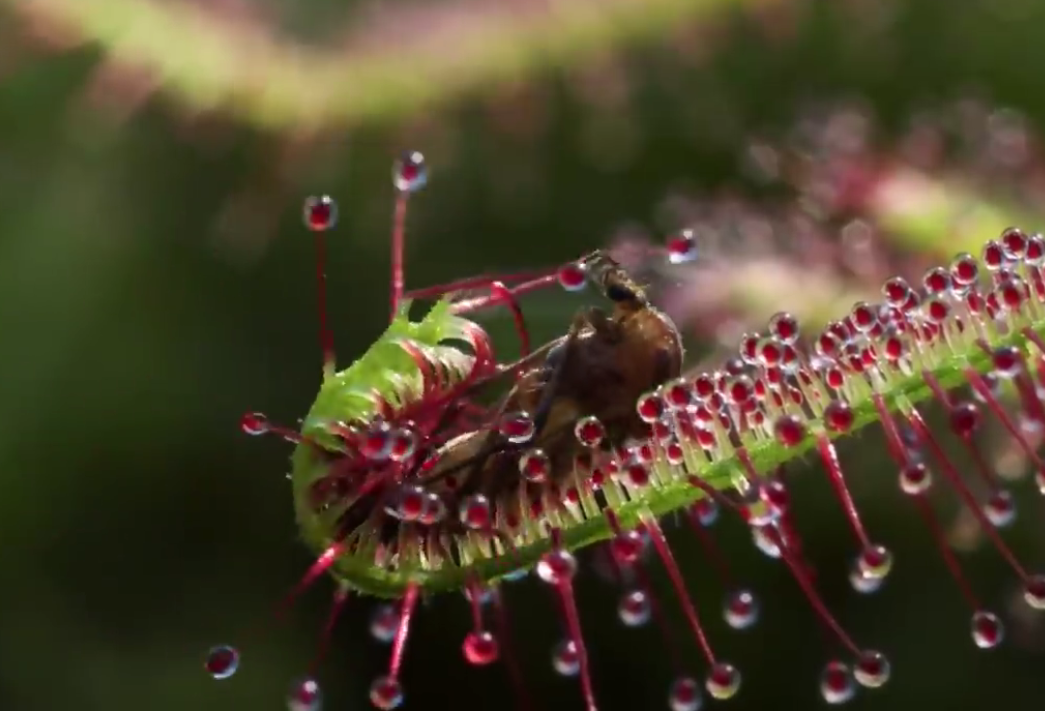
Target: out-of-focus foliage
x=155, y=282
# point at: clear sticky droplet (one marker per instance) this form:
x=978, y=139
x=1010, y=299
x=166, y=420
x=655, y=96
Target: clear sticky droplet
x=685, y=695
x=565, y=659
x=386, y=693
x=222, y=661
x=304, y=695
x=410, y=172
x=319, y=213
x=682, y=247
x=384, y=622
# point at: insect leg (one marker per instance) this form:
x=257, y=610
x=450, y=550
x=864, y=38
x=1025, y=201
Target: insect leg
x=559, y=357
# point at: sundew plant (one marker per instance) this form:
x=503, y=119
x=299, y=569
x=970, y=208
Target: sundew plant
x=407, y=484
x=691, y=358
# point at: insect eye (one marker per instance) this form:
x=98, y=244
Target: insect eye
x=618, y=292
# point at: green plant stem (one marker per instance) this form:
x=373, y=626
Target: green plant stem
x=209, y=63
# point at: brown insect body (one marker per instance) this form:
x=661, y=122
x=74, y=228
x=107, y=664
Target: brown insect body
x=600, y=368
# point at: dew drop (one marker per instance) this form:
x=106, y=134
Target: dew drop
x=319, y=213
x=674, y=454
x=837, y=685
x=965, y=418
x=516, y=427
x=535, y=465
x=556, y=566
x=627, y=547
x=636, y=475
x=565, y=659
x=863, y=583
x=684, y=695
x=589, y=431
x=573, y=277
x=384, y=622
x=706, y=510
x=1000, y=509
x=872, y=669
x=765, y=542
x=682, y=247
x=785, y=327
x=775, y=494
x=937, y=280
x=402, y=444
x=634, y=608
x=679, y=394
x=964, y=269
x=254, y=424
x=377, y=442
x=480, y=648
x=896, y=291
x=1013, y=242
x=789, y=430
x=1034, y=592
x=304, y=695
x=993, y=256
x=987, y=629
x=386, y=693
x=650, y=407
x=433, y=511
x=409, y=504
x=915, y=479
x=1007, y=362
x=222, y=661
x=476, y=513
x=1035, y=253
x=838, y=416
x=864, y=316
x=723, y=681
x=875, y=561
x=741, y=610
x=410, y=173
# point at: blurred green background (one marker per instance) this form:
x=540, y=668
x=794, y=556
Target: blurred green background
x=156, y=282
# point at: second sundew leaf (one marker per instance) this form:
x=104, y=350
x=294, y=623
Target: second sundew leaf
x=256, y=73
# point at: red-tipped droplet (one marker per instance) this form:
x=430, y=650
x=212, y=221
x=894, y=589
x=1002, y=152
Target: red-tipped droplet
x=319, y=213
x=634, y=608
x=480, y=648
x=304, y=695
x=684, y=695
x=682, y=247
x=222, y=661
x=837, y=685
x=572, y=277
x=409, y=173
x=254, y=424
x=557, y=566
x=872, y=669
x=386, y=693
x=723, y=681
x=987, y=630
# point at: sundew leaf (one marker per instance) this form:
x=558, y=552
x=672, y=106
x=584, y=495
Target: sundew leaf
x=945, y=360
x=350, y=392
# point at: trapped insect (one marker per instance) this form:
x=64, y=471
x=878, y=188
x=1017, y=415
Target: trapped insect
x=406, y=483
